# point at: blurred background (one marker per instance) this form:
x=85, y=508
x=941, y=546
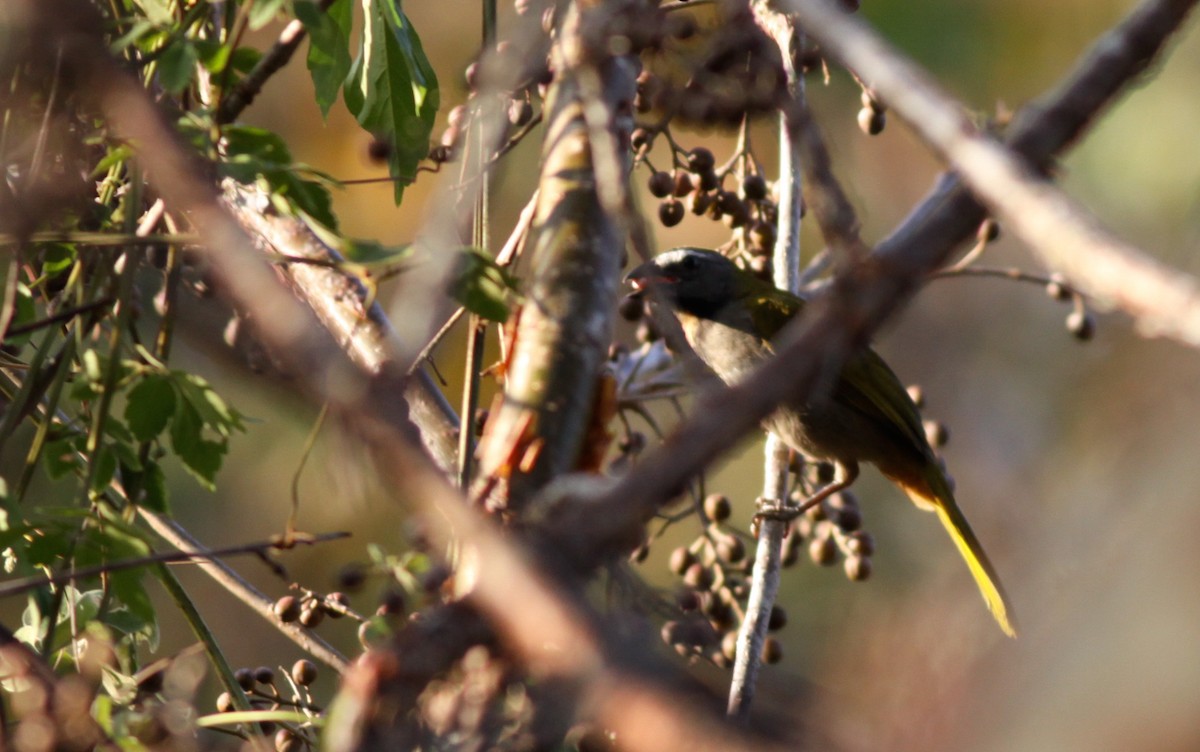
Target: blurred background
x=1076, y=463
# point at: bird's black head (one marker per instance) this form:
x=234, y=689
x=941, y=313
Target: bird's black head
x=692, y=280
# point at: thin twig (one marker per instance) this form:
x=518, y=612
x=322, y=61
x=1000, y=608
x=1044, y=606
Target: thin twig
x=1115, y=273
x=245, y=91
x=174, y=534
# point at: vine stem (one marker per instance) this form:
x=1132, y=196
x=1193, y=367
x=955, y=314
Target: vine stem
x=764, y=583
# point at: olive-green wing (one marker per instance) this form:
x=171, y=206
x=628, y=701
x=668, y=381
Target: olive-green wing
x=771, y=310
x=869, y=386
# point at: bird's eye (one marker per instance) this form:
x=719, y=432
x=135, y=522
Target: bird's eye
x=689, y=263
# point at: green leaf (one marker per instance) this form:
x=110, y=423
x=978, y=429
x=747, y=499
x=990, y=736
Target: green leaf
x=244, y=59
x=373, y=252
x=482, y=286
x=209, y=405
x=57, y=258
x=261, y=144
x=328, y=48
x=263, y=12
x=214, y=56
x=204, y=460
x=201, y=457
x=157, y=11
x=177, y=65
x=391, y=88
x=153, y=483
x=149, y=407
x=255, y=153
x=106, y=467
x=61, y=457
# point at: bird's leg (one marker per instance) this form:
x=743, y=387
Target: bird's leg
x=844, y=474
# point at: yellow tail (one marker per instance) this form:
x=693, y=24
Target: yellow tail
x=941, y=500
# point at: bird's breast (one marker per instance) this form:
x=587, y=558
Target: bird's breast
x=731, y=352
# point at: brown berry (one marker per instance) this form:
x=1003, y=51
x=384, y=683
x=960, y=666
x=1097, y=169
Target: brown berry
x=335, y=604
x=777, y=620
x=717, y=507
x=682, y=183
x=379, y=150
x=1057, y=288
x=731, y=550
x=264, y=675
x=822, y=551
x=681, y=559
x=670, y=212
x=244, y=678
x=754, y=187
x=520, y=112
x=698, y=576
x=311, y=616
x=772, y=651
x=304, y=672
x=729, y=645
x=661, y=184
x=871, y=121
x=631, y=308
x=936, y=433
x=858, y=568
x=287, y=609
x=762, y=236
x=860, y=543
x=287, y=741
x=700, y=160
x=1081, y=325
x=224, y=702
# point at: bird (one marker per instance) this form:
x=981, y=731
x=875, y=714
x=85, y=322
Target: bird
x=730, y=317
